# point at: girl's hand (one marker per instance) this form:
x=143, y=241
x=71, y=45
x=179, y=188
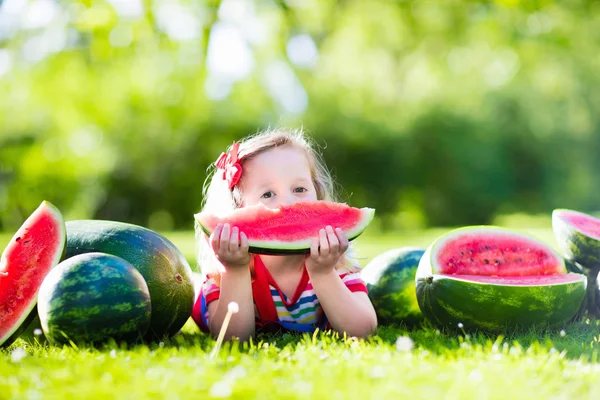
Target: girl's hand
x=230, y=246
x=326, y=251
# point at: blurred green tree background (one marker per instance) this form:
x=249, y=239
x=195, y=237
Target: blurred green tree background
x=433, y=112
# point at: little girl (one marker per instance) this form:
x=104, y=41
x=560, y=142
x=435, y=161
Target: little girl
x=321, y=290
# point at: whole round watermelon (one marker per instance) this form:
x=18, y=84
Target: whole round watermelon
x=160, y=262
x=390, y=279
x=92, y=297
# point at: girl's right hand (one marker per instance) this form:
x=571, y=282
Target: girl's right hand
x=230, y=246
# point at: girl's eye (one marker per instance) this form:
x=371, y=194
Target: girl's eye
x=300, y=189
x=268, y=195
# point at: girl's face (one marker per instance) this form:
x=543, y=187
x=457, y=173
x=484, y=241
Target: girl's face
x=278, y=176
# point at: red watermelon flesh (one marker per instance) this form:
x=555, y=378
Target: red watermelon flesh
x=30, y=255
x=290, y=228
x=496, y=253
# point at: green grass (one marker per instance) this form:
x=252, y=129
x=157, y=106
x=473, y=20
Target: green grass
x=542, y=364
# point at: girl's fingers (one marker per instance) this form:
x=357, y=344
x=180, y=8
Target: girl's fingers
x=215, y=237
x=343, y=239
x=323, y=243
x=224, y=240
x=334, y=243
x=314, y=247
x=243, y=243
x=234, y=242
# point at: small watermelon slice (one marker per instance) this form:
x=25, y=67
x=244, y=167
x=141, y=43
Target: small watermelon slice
x=289, y=229
x=34, y=250
x=578, y=237
x=491, y=278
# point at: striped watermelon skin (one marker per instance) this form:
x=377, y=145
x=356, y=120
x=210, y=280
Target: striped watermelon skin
x=161, y=263
x=574, y=244
x=93, y=297
x=447, y=301
x=390, y=279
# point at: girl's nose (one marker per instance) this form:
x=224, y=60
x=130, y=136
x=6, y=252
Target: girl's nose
x=289, y=199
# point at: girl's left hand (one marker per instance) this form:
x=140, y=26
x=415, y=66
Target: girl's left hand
x=326, y=251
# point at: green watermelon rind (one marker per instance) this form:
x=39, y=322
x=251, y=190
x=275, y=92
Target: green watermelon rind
x=23, y=323
x=93, y=297
x=575, y=245
x=302, y=246
x=160, y=262
x=449, y=300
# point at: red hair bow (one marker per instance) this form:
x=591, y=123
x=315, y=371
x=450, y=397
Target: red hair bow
x=232, y=170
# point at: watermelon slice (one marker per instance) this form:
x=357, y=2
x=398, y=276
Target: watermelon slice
x=289, y=229
x=578, y=237
x=33, y=251
x=490, y=278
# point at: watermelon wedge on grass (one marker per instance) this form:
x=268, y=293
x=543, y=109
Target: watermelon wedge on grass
x=492, y=278
x=290, y=228
x=34, y=250
x=578, y=237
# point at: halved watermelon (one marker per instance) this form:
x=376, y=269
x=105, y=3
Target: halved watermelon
x=289, y=229
x=578, y=237
x=34, y=250
x=489, y=278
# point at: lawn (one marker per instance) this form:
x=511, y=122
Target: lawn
x=395, y=363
